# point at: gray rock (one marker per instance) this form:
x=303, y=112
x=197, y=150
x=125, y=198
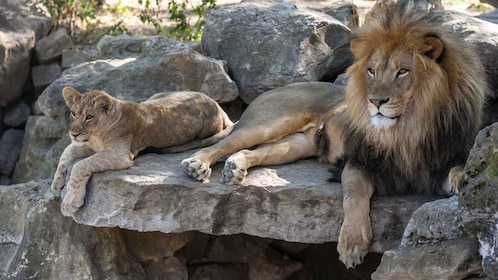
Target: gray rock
x=272, y=43
x=78, y=55
x=483, y=35
x=436, y=245
x=49, y=49
x=488, y=249
x=490, y=16
x=17, y=114
x=17, y=39
x=478, y=189
x=344, y=11
x=44, y=75
x=119, y=47
x=291, y=202
x=163, y=65
x=453, y=259
x=10, y=148
x=42, y=146
x=37, y=242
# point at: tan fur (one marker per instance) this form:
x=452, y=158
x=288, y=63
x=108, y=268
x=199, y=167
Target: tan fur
x=414, y=98
x=109, y=132
x=283, y=122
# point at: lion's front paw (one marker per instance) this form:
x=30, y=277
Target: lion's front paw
x=57, y=185
x=354, y=241
x=196, y=169
x=234, y=172
x=72, y=201
x=450, y=187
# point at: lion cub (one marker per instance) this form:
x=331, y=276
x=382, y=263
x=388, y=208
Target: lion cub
x=109, y=132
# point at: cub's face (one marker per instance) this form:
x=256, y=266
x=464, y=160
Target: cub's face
x=389, y=78
x=87, y=111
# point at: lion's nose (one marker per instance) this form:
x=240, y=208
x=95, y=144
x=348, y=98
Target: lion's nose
x=378, y=102
x=75, y=134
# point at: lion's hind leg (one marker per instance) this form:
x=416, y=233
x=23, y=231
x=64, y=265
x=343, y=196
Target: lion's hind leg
x=288, y=149
x=450, y=186
x=245, y=135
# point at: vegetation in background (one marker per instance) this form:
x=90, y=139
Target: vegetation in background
x=183, y=27
x=186, y=20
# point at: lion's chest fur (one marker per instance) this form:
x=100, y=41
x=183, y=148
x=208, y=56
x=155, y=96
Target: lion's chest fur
x=418, y=167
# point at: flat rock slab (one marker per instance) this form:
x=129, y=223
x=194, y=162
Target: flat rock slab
x=291, y=202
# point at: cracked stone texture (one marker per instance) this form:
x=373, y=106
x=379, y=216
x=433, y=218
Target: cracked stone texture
x=291, y=202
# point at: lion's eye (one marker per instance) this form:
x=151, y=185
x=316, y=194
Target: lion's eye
x=73, y=114
x=371, y=72
x=88, y=118
x=402, y=73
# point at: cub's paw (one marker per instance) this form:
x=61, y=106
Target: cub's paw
x=196, y=169
x=353, y=244
x=57, y=185
x=72, y=201
x=234, y=172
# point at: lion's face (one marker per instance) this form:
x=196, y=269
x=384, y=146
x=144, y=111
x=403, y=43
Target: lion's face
x=88, y=113
x=388, y=80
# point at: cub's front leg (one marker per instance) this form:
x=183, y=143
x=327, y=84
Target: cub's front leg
x=111, y=159
x=356, y=231
x=69, y=154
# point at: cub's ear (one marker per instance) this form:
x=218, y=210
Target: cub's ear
x=432, y=48
x=103, y=103
x=71, y=96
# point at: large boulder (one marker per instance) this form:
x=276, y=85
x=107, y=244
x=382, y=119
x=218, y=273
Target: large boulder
x=42, y=145
x=17, y=40
x=161, y=65
x=144, y=223
x=482, y=34
x=268, y=44
x=290, y=202
x=479, y=188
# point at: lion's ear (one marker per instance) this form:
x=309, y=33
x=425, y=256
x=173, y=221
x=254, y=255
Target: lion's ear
x=432, y=48
x=355, y=46
x=103, y=103
x=71, y=96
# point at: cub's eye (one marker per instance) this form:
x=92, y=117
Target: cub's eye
x=73, y=114
x=371, y=72
x=88, y=118
x=402, y=73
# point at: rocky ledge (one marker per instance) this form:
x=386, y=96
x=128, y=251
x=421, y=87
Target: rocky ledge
x=292, y=203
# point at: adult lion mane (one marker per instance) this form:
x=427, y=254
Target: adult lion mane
x=405, y=124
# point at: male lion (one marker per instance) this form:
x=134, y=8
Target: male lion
x=110, y=132
x=412, y=109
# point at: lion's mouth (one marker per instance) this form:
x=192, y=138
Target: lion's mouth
x=78, y=141
x=379, y=114
x=382, y=121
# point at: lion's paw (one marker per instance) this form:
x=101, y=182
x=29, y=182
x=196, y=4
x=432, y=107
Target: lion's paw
x=234, y=172
x=353, y=245
x=196, y=169
x=72, y=201
x=450, y=187
x=57, y=185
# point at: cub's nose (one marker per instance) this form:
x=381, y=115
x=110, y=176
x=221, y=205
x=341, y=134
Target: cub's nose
x=378, y=102
x=74, y=135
